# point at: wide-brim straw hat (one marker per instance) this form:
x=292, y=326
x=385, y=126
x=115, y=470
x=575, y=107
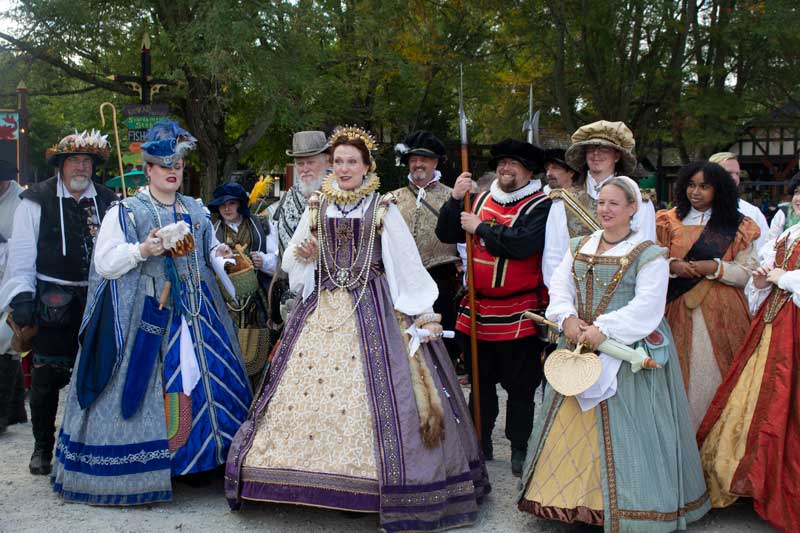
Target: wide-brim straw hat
x=308, y=143
x=603, y=133
x=571, y=372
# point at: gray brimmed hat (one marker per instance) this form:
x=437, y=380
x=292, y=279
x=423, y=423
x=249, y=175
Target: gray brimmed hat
x=308, y=143
x=603, y=133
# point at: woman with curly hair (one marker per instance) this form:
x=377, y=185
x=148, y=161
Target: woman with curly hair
x=712, y=253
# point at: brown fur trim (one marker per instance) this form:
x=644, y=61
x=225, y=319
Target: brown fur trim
x=426, y=395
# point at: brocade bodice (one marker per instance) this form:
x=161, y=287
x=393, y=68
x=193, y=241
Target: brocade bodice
x=350, y=248
x=606, y=283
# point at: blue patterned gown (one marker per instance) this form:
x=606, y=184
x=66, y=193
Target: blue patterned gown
x=102, y=458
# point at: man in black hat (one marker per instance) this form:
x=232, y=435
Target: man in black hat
x=50, y=253
x=12, y=388
x=559, y=174
x=419, y=202
x=508, y=227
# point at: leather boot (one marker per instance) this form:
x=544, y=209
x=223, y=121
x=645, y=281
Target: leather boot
x=40, y=461
x=517, y=461
x=47, y=381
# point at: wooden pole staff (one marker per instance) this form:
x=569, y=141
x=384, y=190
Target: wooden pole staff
x=473, y=329
x=116, y=140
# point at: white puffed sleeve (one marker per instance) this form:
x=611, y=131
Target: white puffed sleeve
x=556, y=241
x=756, y=296
x=301, y=275
x=113, y=255
x=791, y=282
x=776, y=226
x=271, y=256
x=642, y=315
x=412, y=288
x=562, y=292
x=20, y=273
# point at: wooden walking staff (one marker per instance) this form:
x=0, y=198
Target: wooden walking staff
x=116, y=140
x=473, y=329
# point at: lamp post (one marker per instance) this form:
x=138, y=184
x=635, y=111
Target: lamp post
x=144, y=83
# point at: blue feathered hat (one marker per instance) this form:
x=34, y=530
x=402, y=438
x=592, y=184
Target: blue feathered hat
x=166, y=143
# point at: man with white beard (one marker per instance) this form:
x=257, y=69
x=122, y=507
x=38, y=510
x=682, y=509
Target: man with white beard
x=311, y=163
x=49, y=257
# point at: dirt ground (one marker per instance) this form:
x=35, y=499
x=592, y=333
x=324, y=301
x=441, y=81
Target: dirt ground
x=27, y=504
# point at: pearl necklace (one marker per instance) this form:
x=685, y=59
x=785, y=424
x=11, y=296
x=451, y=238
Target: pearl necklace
x=342, y=278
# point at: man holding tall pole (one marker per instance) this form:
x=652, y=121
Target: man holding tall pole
x=506, y=226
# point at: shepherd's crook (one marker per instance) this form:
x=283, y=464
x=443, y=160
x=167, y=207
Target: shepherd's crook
x=116, y=140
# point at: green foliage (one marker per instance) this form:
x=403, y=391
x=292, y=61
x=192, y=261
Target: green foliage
x=682, y=73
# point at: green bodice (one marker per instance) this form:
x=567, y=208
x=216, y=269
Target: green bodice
x=607, y=283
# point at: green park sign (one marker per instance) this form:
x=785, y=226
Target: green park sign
x=142, y=122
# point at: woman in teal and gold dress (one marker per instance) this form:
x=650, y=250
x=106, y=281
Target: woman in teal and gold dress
x=621, y=454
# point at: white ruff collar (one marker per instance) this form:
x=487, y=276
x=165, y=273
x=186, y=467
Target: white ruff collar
x=503, y=198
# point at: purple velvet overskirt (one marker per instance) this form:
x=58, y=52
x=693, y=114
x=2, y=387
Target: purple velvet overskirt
x=419, y=488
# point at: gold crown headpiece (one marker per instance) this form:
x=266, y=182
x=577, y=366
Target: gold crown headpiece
x=354, y=132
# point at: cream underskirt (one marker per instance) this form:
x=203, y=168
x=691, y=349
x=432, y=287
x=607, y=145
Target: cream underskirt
x=568, y=474
x=319, y=418
x=726, y=443
x=704, y=374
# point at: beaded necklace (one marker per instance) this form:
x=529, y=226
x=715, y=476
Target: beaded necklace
x=345, y=211
x=193, y=292
x=342, y=277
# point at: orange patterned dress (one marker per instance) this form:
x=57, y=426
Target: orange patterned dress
x=709, y=321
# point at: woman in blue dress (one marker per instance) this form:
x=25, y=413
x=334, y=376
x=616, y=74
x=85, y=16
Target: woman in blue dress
x=135, y=417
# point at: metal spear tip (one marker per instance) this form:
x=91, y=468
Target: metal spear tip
x=462, y=116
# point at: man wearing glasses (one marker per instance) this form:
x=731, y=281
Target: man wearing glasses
x=599, y=151
x=50, y=252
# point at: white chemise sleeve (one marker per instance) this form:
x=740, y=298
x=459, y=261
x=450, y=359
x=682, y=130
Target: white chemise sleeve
x=755, y=296
x=562, y=292
x=556, y=241
x=20, y=273
x=301, y=275
x=776, y=226
x=113, y=255
x=412, y=289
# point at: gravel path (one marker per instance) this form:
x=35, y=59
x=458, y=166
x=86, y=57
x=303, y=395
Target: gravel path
x=27, y=504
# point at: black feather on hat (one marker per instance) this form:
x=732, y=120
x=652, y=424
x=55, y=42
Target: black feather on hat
x=422, y=143
x=531, y=157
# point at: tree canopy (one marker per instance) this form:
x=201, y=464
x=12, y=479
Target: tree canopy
x=688, y=74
